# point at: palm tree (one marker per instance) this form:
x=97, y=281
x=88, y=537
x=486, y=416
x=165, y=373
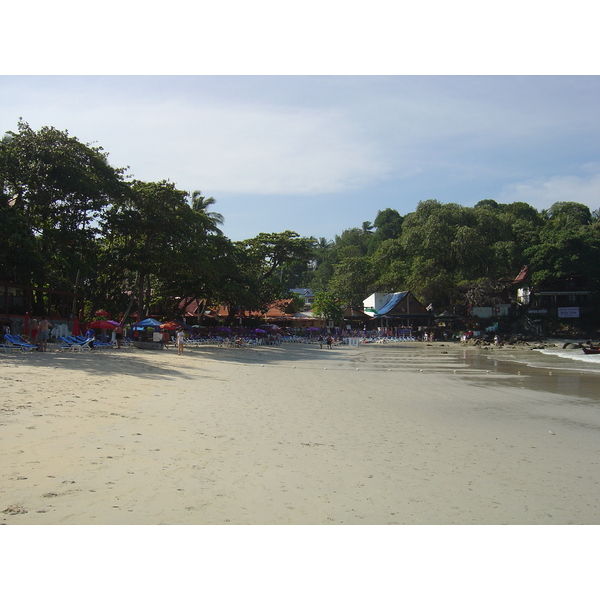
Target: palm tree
x=201, y=204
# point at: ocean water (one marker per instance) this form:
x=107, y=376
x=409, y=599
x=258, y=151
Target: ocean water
x=568, y=372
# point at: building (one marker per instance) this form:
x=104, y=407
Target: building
x=398, y=309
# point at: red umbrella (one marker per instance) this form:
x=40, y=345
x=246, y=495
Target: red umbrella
x=26, y=325
x=101, y=313
x=76, y=330
x=101, y=325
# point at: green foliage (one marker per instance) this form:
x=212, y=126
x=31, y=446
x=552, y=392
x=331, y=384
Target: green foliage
x=71, y=221
x=298, y=301
x=352, y=280
x=327, y=306
x=434, y=250
x=59, y=187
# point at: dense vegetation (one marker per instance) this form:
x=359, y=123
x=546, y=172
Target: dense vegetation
x=70, y=221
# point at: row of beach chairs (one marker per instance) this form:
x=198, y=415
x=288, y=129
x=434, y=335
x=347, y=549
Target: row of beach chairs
x=16, y=343
x=77, y=343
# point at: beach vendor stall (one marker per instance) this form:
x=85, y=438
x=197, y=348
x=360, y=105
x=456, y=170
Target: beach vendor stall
x=147, y=334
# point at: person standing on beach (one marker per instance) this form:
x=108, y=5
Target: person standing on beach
x=34, y=332
x=43, y=332
x=118, y=334
x=329, y=341
x=180, y=336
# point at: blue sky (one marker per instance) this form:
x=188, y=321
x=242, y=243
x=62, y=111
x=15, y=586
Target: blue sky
x=319, y=154
x=315, y=119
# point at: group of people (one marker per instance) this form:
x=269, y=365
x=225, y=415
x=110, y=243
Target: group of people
x=328, y=340
x=39, y=333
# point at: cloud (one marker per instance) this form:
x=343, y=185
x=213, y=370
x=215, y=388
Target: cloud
x=543, y=192
x=260, y=150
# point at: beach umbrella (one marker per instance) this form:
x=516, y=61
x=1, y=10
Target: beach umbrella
x=259, y=331
x=76, y=330
x=26, y=324
x=101, y=313
x=101, y=325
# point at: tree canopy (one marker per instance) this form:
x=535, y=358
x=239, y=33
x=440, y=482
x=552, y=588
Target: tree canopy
x=72, y=221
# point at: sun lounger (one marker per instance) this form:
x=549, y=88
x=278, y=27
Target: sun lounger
x=71, y=345
x=9, y=348
x=16, y=341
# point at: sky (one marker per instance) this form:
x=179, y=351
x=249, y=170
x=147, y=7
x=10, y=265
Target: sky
x=314, y=120
x=320, y=154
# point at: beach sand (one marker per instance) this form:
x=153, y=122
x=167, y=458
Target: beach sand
x=291, y=435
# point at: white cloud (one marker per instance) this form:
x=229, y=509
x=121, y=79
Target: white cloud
x=258, y=150
x=543, y=192
x=234, y=148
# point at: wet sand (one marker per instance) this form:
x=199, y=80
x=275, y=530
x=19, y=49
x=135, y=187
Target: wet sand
x=377, y=435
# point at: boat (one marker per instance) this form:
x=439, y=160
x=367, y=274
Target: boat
x=591, y=350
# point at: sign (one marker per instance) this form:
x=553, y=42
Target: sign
x=568, y=312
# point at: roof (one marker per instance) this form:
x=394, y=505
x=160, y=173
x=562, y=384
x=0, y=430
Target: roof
x=354, y=313
x=391, y=303
x=302, y=291
x=522, y=276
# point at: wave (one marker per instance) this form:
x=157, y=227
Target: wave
x=568, y=356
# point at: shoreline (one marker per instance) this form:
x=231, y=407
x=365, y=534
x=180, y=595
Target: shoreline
x=379, y=434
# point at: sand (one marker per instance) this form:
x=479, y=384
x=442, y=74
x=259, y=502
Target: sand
x=289, y=435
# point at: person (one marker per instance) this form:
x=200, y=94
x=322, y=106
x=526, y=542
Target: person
x=43, y=333
x=329, y=341
x=33, y=339
x=321, y=341
x=90, y=334
x=180, y=336
x=496, y=340
x=119, y=334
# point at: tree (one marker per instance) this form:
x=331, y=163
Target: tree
x=562, y=253
x=327, y=306
x=568, y=214
x=273, y=250
x=155, y=233
x=60, y=187
x=201, y=204
x=388, y=224
x=353, y=280
x=254, y=283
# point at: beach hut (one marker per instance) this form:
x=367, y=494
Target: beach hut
x=399, y=309
x=354, y=318
x=147, y=334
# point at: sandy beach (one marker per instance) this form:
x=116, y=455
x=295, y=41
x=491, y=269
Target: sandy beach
x=374, y=435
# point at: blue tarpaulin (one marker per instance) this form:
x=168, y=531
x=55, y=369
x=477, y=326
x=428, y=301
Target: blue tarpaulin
x=146, y=323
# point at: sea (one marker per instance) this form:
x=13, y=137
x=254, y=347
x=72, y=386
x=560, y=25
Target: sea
x=553, y=368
